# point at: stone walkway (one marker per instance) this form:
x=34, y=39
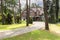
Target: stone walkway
x=19, y=31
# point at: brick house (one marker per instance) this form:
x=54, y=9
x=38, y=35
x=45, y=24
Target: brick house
x=35, y=13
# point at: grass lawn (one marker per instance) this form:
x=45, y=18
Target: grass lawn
x=35, y=35
x=54, y=26
x=12, y=26
x=58, y=24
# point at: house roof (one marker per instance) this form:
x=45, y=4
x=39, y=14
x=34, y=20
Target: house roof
x=40, y=10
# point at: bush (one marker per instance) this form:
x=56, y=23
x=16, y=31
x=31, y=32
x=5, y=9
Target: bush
x=30, y=20
x=0, y=18
x=52, y=19
x=17, y=19
x=9, y=19
x=59, y=20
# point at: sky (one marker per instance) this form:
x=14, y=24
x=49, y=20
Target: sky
x=40, y=2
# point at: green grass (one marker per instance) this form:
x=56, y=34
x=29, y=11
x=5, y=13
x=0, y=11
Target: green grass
x=35, y=35
x=58, y=24
x=12, y=26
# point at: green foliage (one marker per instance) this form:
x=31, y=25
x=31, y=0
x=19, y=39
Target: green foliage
x=17, y=19
x=10, y=2
x=30, y=20
x=0, y=18
x=35, y=5
x=59, y=20
x=9, y=19
x=7, y=9
x=52, y=19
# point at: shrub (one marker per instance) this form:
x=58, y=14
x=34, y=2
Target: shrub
x=30, y=20
x=59, y=20
x=9, y=19
x=17, y=17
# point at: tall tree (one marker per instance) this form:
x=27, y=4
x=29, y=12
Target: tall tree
x=53, y=12
x=53, y=7
x=29, y=6
x=20, y=9
x=46, y=15
x=2, y=12
x=57, y=9
x=11, y=5
x=27, y=13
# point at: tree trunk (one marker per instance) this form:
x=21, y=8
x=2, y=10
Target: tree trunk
x=29, y=11
x=57, y=9
x=46, y=15
x=5, y=8
x=20, y=10
x=2, y=12
x=27, y=14
x=14, y=15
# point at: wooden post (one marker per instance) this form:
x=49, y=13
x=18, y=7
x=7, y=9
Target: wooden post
x=46, y=15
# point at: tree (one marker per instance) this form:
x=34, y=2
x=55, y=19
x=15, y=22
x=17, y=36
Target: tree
x=3, y=17
x=54, y=11
x=33, y=5
x=27, y=13
x=12, y=4
x=9, y=7
x=20, y=10
x=53, y=8
x=57, y=9
x=46, y=15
